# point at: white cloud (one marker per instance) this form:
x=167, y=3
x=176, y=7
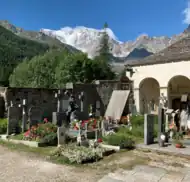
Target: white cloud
x=186, y=13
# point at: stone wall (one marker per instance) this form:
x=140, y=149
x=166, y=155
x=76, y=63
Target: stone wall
x=45, y=98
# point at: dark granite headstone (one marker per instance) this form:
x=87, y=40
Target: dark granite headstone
x=13, y=120
x=98, y=108
x=161, y=128
x=59, y=118
x=149, y=129
x=35, y=115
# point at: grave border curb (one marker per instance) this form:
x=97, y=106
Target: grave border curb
x=24, y=142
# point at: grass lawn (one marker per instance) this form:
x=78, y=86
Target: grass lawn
x=43, y=151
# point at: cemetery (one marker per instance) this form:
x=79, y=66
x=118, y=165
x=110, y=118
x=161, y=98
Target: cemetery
x=87, y=122
x=83, y=122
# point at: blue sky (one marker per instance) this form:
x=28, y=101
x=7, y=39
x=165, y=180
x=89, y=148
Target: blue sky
x=127, y=18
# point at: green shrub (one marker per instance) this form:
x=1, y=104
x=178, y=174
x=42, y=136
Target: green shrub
x=3, y=126
x=120, y=139
x=137, y=120
x=78, y=154
x=45, y=133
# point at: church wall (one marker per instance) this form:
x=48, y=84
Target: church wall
x=162, y=73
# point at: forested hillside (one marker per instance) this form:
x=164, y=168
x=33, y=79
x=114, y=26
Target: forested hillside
x=14, y=49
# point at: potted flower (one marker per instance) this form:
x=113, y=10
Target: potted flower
x=178, y=136
x=178, y=144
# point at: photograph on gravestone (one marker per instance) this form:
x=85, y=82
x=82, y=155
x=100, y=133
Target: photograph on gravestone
x=35, y=115
x=149, y=129
x=13, y=120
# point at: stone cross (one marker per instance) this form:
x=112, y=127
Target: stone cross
x=58, y=96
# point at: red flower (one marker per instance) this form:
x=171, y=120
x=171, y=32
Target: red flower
x=76, y=128
x=27, y=133
x=100, y=140
x=45, y=120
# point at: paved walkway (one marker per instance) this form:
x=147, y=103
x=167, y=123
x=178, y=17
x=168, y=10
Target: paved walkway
x=147, y=174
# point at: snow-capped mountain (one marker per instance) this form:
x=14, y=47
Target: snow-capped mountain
x=88, y=39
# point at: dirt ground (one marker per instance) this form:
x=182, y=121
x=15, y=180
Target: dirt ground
x=21, y=166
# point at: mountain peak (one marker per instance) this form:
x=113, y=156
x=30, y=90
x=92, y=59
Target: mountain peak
x=187, y=30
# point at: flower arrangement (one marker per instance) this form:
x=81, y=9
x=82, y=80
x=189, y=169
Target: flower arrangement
x=91, y=123
x=45, y=132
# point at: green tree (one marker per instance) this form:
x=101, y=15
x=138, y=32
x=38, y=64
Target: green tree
x=79, y=68
x=13, y=50
x=55, y=68
x=104, y=47
x=39, y=72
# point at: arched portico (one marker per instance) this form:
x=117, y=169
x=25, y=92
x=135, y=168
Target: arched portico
x=177, y=86
x=149, y=93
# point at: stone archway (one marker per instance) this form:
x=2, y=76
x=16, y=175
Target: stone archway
x=149, y=93
x=177, y=86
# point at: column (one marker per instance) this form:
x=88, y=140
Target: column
x=164, y=91
x=137, y=99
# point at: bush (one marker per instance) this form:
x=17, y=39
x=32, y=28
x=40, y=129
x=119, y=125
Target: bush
x=3, y=126
x=120, y=139
x=78, y=154
x=138, y=126
x=44, y=133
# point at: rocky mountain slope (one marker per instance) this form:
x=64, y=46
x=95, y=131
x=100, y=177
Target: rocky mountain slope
x=35, y=35
x=88, y=39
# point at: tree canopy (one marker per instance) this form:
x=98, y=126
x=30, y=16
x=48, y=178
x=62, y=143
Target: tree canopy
x=55, y=68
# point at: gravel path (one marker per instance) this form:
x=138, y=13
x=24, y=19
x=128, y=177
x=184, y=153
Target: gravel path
x=18, y=167
x=22, y=167
x=146, y=173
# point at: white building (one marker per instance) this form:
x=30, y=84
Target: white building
x=166, y=72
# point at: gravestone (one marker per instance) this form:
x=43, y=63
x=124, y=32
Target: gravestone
x=149, y=129
x=161, y=127
x=59, y=118
x=61, y=135
x=35, y=115
x=98, y=108
x=13, y=120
